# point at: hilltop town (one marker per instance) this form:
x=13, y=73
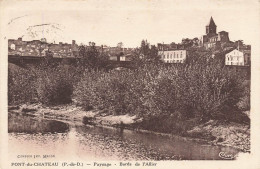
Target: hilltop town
x=235, y=53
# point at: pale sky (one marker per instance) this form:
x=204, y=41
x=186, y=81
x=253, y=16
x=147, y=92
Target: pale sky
x=112, y=21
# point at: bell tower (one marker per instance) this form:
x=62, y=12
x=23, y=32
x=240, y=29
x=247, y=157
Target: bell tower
x=211, y=28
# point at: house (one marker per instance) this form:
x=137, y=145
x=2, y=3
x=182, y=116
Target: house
x=172, y=53
x=122, y=58
x=173, y=56
x=238, y=57
x=38, y=48
x=127, y=57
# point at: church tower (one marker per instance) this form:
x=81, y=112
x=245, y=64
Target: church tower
x=211, y=28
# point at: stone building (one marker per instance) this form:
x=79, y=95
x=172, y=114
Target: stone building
x=38, y=48
x=173, y=56
x=172, y=53
x=212, y=38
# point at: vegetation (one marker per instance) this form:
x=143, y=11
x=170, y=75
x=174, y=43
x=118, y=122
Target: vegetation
x=21, y=85
x=174, y=97
x=170, y=95
x=54, y=85
x=47, y=83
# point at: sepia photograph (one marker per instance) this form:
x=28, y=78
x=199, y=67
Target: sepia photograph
x=133, y=83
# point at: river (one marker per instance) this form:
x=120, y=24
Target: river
x=31, y=136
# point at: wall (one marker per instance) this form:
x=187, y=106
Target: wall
x=234, y=57
x=174, y=56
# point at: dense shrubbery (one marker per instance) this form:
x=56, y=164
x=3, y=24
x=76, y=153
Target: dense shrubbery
x=21, y=85
x=244, y=103
x=54, y=85
x=203, y=89
x=47, y=84
x=112, y=91
x=174, y=97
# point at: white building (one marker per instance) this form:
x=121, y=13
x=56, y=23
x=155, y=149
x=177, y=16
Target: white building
x=236, y=57
x=173, y=56
x=126, y=57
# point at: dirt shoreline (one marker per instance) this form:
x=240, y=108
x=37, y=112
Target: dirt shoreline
x=232, y=135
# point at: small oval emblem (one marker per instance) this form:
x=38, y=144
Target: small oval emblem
x=225, y=156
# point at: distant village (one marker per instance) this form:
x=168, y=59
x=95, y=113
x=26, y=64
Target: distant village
x=236, y=53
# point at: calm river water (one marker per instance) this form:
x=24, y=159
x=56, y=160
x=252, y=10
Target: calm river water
x=28, y=135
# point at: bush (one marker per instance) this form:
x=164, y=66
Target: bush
x=48, y=84
x=113, y=91
x=244, y=103
x=54, y=85
x=170, y=94
x=21, y=85
x=203, y=89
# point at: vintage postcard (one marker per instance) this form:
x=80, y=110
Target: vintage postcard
x=129, y=84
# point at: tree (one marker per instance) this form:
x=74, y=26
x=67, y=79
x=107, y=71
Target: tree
x=120, y=45
x=92, y=55
x=82, y=51
x=48, y=59
x=195, y=42
x=146, y=53
x=48, y=54
x=239, y=43
x=144, y=49
x=173, y=45
x=91, y=58
x=154, y=57
x=187, y=42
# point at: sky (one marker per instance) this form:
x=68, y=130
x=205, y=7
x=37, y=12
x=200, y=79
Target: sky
x=112, y=21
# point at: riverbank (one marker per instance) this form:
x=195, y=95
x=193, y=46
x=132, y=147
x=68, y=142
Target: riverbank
x=213, y=132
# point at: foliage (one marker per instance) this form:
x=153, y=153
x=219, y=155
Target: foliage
x=107, y=91
x=172, y=95
x=21, y=85
x=120, y=45
x=91, y=58
x=148, y=53
x=49, y=54
x=190, y=42
x=48, y=84
x=244, y=103
x=54, y=86
x=195, y=90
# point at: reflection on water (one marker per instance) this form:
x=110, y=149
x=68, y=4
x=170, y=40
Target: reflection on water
x=27, y=124
x=30, y=136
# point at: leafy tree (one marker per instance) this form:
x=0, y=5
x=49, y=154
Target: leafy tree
x=195, y=42
x=49, y=54
x=144, y=49
x=82, y=51
x=120, y=45
x=148, y=53
x=92, y=55
x=154, y=57
x=190, y=42
x=91, y=58
x=187, y=42
x=48, y=59
x=239, y=43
